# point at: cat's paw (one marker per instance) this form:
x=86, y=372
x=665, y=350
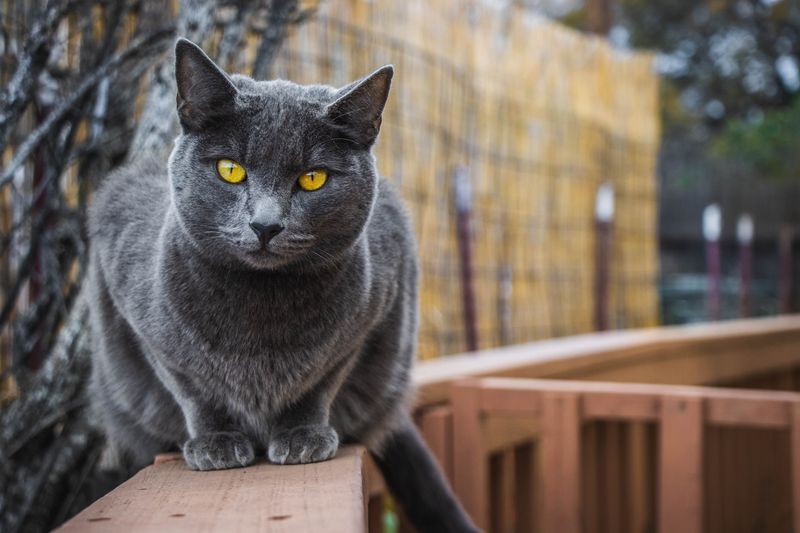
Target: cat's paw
x=217, y=451
x=303, y=444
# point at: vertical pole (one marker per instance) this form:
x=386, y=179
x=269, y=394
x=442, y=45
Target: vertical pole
x=463, y=201
x=785, y=239
x=712, y=228
x=604, y=216
x=598, y=16
x=744, y=234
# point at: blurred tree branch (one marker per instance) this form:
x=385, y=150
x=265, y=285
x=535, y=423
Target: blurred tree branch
x=141, y=47
x=30, y=63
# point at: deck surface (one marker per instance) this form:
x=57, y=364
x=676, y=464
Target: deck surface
x=167, y=497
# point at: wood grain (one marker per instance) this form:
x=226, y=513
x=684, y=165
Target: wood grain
x=168, y=497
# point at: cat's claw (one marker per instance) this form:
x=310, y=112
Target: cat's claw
x=217, y=451
x=303, y=444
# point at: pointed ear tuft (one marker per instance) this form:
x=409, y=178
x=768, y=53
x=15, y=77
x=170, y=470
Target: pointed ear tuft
x=358, y=107
x=205, y=92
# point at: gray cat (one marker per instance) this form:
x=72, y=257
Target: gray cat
x=257, y=293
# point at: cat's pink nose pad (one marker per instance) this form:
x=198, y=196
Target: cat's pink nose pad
x=265, y=232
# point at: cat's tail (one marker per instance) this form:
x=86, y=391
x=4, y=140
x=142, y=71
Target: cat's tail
x=417, y=484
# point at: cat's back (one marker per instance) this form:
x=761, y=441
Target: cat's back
x=126, y=216
x=391, y=233
x=131, y=200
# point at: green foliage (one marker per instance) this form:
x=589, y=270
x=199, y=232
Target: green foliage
x=769, y=147
x=720, y=52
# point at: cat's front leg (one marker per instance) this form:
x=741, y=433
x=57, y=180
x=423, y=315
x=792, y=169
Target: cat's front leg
x=302, y=434
x=214, y=443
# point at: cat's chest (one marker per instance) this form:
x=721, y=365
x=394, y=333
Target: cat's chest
x=257, y=357
x=262, y=334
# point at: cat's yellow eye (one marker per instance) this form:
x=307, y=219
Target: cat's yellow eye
x=313, y=180
x=231, y=171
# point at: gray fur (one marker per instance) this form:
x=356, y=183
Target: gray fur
x=206, y=341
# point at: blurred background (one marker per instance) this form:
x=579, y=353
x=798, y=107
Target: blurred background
x=570, y=166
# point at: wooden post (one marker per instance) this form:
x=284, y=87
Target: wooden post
x=375, y=511
x=471, y=465
x=744, y=234
x=712, y=228
x=604, y=216
x=560, y=462
x=436, y=427
x=795, y=465
x=785, y=239
x=598, y=16
x=680, y=494
x=463, y=201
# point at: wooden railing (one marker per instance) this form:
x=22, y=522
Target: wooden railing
x=558, y=474
x=329, y=496
x=534, y=455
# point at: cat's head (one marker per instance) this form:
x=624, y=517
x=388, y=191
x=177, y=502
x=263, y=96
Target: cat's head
x=269, y=174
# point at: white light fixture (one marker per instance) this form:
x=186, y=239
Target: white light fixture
x=604, y=203
x=712, y=222
x=745, y=229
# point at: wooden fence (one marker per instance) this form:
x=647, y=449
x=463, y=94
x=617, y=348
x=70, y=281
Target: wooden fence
x=582, y=456
x=527, y=455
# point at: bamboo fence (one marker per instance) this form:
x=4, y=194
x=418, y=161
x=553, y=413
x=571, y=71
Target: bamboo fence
x=536, y=117
x=531, y=116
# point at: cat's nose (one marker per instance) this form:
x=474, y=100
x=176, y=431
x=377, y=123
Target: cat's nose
x=265, y=232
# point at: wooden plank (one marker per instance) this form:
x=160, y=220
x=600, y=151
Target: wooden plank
x=795, y=466
x=373, y=479
x=375, y=512
x=504, y=431
x=768, y=413
x=614, y=478
x=621, y=406
x=508, y=482
x=560, y=462
x=436, y=427
x=501, y=492
x=590, y=477
x=524, y=477
x=715, y=471
x=637, y=478
x=471, y=469
x=171, y=497
x=648, y=390
x=509, y=399
x=692, y=355
x=680, y=465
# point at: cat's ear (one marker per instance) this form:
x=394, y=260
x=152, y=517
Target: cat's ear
x=358, y=107
x=205, y=92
